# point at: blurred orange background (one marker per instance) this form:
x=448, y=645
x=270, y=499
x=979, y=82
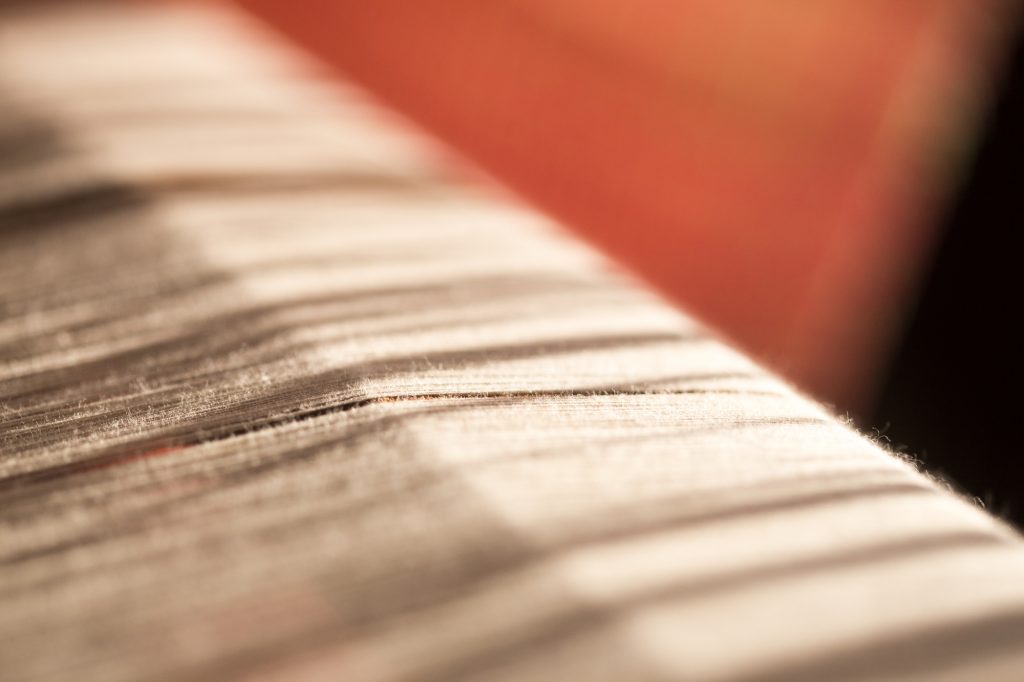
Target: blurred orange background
x=774, y=167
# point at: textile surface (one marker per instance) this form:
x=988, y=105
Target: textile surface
x=285, y=395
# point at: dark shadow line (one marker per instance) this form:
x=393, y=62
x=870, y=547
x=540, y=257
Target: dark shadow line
x=444, y=296
x=373, y=427
x=380, y=424
x=98, y=197
x=348, y=377
x=464, y=400
x=186, y=437
x=131, y=307
x=125, y=454
x=94, y=197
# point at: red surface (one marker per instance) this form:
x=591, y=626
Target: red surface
x=764, y=164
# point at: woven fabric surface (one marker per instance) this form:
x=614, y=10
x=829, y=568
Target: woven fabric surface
x=285, y=395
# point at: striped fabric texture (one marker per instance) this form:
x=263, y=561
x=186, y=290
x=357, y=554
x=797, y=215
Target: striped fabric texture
x=287, y=394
